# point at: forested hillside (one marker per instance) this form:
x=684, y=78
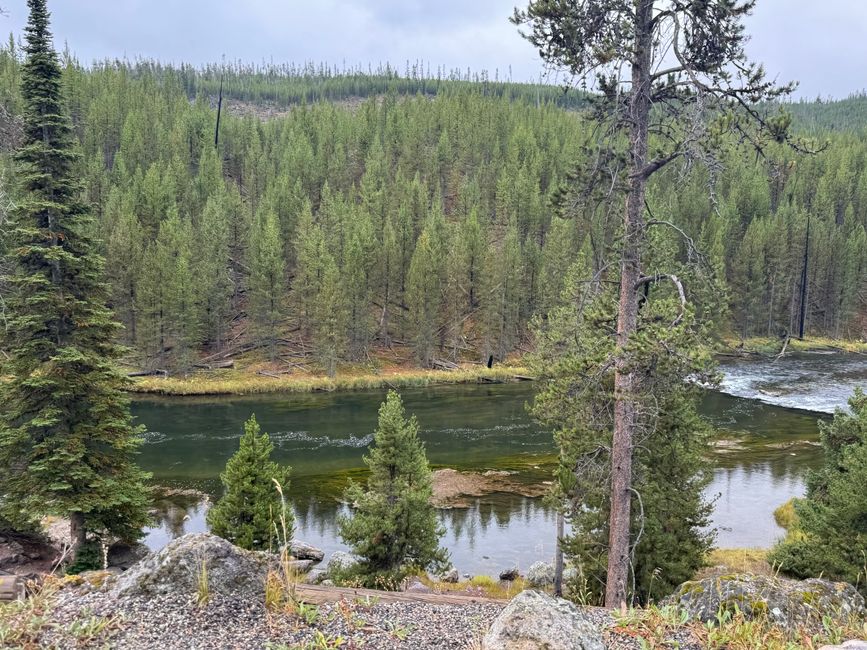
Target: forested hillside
x=430, y=212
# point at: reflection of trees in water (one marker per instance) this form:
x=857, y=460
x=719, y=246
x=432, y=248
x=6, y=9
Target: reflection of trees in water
x=173, y=513
x=777, y=464
x=318, y=515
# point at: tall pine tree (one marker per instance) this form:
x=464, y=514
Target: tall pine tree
x=394, y=528
x=66, y=437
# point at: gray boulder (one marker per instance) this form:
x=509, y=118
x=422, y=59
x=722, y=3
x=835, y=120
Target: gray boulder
x=415, y=586
x=510, y=574
x=540, y=574
x=303, y=551
x=849, y=645
x=340, y=561
x=537, y=621
x=788, y=603
x=123, y=556
x=177, y=567
x=451, y=575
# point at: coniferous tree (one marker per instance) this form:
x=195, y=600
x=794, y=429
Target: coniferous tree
x=125, y=255
x=331, y=317
x=670, y=463
x=267, y=280
x=66, y=437
x=423, y=296
x=251, y=504
x=211, y=258
x=830, y=535
x=394, y=528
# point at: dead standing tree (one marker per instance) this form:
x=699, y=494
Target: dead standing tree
x=671, y=74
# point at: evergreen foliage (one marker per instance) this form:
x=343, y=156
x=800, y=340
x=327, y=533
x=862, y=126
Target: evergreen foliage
x=66, y=438
x=670, y=467
x=394, y=528
x=250, y=506
x=831, y=534
x=480, y=168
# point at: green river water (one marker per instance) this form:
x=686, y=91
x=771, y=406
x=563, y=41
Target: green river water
x=763, y=452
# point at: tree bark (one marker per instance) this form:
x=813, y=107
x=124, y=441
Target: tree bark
x=558, y=555
x=77, y=533
x=627, y=320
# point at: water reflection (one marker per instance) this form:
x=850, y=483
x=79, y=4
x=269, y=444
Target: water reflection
x=494, y=533
x=762, y=455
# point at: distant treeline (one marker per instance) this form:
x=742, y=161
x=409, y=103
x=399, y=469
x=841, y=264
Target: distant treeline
x=430, y=213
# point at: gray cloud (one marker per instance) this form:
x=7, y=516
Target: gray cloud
x=821, y=44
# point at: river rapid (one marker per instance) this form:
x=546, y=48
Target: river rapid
x=766, y=416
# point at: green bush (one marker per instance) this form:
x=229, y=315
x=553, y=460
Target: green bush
x=247, y=512
x=832, y=519
x=394, y=529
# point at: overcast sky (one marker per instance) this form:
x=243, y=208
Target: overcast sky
x=822, y=44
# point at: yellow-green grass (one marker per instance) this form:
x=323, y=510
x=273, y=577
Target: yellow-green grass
x=773, y=345
x=786, y=517
x=737, y=560
x=481, y=586
x=248, y=382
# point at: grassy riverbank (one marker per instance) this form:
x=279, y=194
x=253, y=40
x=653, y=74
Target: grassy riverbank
x=252, y=376
x=250, y=381
x=773, y=346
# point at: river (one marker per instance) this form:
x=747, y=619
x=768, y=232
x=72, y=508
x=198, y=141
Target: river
x=765, y=447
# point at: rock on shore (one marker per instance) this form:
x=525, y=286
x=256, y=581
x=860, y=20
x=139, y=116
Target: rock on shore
x=534, y=620
x=788, y=603
x=177, y=567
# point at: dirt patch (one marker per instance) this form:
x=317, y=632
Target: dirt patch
x=24, y=555
x=454, y=489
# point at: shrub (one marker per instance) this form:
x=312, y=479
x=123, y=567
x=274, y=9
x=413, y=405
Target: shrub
x=832, y=519
x=394, y=528
x=246, y=513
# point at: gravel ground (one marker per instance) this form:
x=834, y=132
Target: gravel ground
x=177, y=622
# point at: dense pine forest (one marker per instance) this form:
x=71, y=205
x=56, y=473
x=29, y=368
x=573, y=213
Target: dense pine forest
x=350, y=210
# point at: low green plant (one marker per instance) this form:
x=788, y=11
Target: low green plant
x=203, y=589
x=91, y=628
x=398, y=631
x=831, y=536
x=319, y=642
x=88, y=558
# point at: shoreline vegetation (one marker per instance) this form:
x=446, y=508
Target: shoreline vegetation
x=250, y=381
x=250, y=377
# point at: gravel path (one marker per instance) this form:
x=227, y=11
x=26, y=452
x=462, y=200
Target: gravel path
x=176, y=622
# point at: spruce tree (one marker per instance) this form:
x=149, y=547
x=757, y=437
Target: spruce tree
x=423, y=297
x=830, y=537
x=267, y=280
x=251, y=505
x=66, y=437
x=394, y=528
x=331, y=317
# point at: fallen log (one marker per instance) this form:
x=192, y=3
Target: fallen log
x=217, y=365
x=317, y=595
x=148, y=373
x=11, y=588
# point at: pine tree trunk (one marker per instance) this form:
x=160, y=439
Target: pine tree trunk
x=627, y=320
x=558, y=555
x=77, y=533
